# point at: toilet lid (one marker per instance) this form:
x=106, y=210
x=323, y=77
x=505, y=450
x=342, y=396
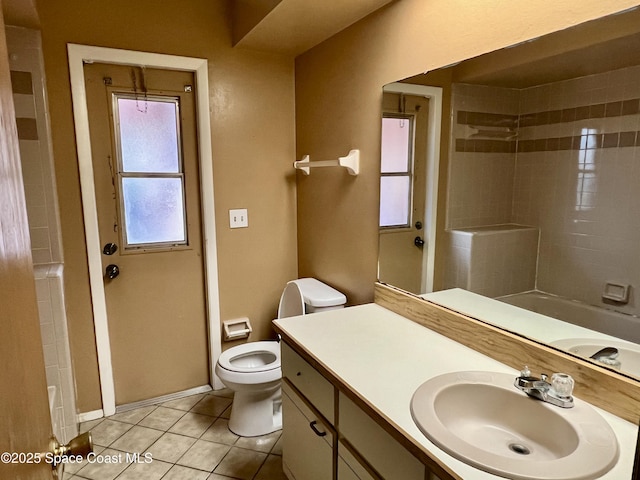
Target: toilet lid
x=251, y=357
x=291, y=301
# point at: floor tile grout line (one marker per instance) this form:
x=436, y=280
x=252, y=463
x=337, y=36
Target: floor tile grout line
x=221, y=416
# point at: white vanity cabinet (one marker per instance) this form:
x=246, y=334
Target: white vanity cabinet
x=354, y=371
x=308, y=436
x=327, y=438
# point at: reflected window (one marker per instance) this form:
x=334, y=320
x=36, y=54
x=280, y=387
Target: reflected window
x=396, y=182
x=586, y=184
x=150, y=174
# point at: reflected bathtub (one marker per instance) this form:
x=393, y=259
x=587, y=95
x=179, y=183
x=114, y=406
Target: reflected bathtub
x=602, y=320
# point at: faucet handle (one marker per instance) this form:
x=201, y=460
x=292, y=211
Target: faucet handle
x=525, y=372
x=562, y=384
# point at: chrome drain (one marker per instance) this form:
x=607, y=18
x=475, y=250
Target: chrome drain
x=519, y=449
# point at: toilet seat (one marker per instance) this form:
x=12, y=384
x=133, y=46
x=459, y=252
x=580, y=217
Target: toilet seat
x=251, y=357
x=291, y=301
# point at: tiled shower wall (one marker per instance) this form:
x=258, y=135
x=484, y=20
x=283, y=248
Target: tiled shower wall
x=25, y=60
x=481, y=170
x=574, y=170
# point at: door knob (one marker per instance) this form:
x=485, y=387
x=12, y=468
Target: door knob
x=112, y=271
x=418, y=242
x=109, y=248
x=80, y=446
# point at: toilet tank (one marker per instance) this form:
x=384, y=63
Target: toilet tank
x=319, y=296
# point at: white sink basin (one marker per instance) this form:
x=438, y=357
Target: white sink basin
x=483, y=420
x=629, y=353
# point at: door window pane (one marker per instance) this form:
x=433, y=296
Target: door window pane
x=396, y=171
x=394, y=201
x=153, y=210
x=149, y=139
x=150, y=171
x=396, y=134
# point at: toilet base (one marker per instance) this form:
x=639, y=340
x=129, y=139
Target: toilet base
x=256, y=413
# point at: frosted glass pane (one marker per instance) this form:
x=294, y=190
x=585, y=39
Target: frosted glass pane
x=148, y=136
x=153, y=210
x=394, y=201
x=395, y=144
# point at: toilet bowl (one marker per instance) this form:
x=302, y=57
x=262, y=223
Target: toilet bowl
x=253, y=371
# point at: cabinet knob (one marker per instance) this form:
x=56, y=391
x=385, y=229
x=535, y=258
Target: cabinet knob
x=298, y=374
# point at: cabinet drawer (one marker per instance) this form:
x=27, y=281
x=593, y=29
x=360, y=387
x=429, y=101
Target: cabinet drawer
x=307, y=443
x=390, y=459
x=317, y=389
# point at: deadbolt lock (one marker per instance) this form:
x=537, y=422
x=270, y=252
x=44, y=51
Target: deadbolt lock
x=109, y=248
x=112, y=271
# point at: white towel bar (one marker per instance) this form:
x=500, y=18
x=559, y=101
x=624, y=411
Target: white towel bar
x=351, y=162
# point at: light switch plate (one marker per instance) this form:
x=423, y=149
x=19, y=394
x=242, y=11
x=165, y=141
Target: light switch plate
x=238, y=218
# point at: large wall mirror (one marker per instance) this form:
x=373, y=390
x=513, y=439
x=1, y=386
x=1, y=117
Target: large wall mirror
x=540, y=143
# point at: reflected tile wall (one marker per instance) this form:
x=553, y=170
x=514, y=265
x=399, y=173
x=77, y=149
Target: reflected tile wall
x=583, y=197
x=492, y=262
x=481, y=173
x=574, y=172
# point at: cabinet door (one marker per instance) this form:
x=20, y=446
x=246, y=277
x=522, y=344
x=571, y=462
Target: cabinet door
x=380, y=450
x=350, y=467
x=307, y=441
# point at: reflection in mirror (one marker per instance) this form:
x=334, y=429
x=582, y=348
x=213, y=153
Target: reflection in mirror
x=411, y=130
x=402, y=189
x=542, y=186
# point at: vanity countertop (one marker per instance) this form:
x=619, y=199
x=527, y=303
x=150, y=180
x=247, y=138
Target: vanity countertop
x=383, y=358
x=530, y=324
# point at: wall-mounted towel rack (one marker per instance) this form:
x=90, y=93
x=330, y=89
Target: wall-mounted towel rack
x=351, y=162
x=490, y=132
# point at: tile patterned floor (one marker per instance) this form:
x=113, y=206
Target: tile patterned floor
x=185, y=439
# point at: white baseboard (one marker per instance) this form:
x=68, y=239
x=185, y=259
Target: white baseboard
x=88, y=416
x=163, y=398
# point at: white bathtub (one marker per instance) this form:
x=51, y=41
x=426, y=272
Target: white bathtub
x=602, y=320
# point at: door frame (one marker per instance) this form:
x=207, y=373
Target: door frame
x=79, y=55
x=434, y=94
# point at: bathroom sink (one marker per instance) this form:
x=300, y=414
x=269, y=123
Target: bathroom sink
x=483, y=420
x=628, y=353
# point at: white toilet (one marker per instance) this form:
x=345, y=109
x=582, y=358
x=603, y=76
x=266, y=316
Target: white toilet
x=252, y=370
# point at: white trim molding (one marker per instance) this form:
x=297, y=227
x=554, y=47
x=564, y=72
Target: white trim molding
x=78, y=56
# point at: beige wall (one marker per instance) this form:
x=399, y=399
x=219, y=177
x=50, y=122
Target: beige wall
x=251, y=96
x=338, y=104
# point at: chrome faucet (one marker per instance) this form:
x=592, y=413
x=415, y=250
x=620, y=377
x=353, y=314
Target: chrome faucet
x=557, y=392
x=608, y=356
